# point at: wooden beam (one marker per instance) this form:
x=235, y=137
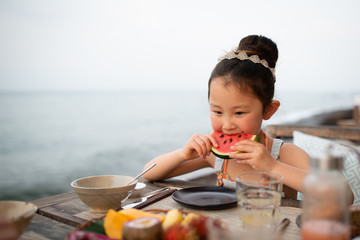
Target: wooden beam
x=326, y=131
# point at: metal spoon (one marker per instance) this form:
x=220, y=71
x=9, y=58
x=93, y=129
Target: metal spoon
x=142, y=173
x=146, y=197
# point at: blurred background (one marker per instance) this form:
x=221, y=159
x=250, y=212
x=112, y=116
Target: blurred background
x=100, y=87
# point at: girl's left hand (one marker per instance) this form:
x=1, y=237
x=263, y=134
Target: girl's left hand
x=254, y=154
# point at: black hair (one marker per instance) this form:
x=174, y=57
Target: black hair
x=244, y=74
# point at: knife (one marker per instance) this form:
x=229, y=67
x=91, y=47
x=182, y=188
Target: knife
x=143, y=199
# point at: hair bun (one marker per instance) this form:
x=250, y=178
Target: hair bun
x=262, y=46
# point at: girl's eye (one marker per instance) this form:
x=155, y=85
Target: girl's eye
x=239, y=113
x=218, y=112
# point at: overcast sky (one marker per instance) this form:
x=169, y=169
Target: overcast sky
x=158, y=44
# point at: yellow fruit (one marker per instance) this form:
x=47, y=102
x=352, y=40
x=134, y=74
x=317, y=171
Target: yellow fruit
x=113, y=223
x=136, y=213
x=187, y=220
x=172, y=217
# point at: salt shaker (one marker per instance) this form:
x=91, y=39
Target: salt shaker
x=326, y=200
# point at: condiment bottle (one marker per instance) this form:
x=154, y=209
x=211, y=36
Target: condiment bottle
x=326, y=200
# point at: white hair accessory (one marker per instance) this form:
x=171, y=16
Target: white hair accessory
x=243, y=56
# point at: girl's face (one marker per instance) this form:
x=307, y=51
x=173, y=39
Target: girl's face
x=232, y=110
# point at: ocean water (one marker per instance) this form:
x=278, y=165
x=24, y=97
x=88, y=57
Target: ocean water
x=47, y=140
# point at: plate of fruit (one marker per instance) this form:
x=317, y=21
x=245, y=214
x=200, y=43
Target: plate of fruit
x=150, y=224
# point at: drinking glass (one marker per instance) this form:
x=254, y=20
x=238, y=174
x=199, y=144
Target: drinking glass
x=259, y=197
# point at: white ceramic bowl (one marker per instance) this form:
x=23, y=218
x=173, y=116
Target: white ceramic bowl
x=138, y=189
x=18, y=213
x=101, y=193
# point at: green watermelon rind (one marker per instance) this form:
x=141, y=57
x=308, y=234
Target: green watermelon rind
x=224, y=155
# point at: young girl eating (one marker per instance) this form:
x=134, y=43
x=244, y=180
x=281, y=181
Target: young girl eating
x=240, y=94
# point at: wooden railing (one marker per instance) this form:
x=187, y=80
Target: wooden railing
x=326, y=131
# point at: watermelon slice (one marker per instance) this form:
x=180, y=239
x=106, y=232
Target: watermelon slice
x=226, y=141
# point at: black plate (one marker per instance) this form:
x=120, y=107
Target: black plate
x=210, y=197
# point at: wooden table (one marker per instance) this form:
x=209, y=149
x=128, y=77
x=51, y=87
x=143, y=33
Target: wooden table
x=59, y=215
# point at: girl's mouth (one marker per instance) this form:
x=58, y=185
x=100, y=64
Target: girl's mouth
x=233, y=133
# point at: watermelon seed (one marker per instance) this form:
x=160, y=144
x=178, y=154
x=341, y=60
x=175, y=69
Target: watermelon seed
x=230, y=140
x=222, y=135
x=225, y=142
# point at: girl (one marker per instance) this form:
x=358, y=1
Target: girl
x=240, y=93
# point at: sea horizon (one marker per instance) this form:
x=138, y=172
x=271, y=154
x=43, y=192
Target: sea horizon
x=50, y=138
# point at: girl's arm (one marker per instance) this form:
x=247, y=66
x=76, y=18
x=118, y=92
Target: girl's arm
x=194, y=155
x=293, y=165
x=173, y=164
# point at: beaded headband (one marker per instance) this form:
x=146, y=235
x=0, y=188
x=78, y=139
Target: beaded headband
x=243, y=56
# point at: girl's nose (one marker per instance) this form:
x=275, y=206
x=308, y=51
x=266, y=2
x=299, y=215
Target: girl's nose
x=228, y=125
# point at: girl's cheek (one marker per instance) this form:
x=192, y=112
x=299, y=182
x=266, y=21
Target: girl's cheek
x=216, y=124
x=249, y=127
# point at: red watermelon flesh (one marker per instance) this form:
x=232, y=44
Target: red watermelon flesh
x=226, y=141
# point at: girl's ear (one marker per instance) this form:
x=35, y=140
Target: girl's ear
x=271, y=109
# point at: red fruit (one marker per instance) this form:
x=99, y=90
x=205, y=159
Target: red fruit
x=199, y=224
x=180, y=232
x=226, y=141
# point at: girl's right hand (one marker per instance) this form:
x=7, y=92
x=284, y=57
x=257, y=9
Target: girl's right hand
x=199, y=145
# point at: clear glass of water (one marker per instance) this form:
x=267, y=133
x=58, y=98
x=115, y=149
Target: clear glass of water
x=259, y=197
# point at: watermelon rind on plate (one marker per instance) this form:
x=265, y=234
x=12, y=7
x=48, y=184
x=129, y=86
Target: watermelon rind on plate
x=225, y=142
